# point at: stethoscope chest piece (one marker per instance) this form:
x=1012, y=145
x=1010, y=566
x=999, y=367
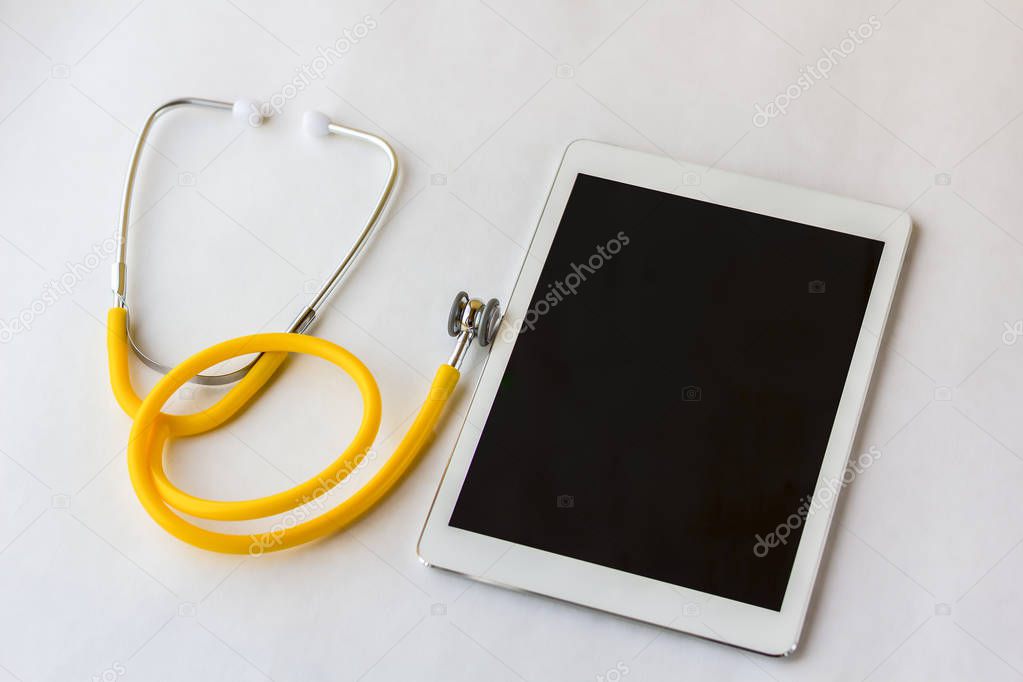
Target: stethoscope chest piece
x=471, y=318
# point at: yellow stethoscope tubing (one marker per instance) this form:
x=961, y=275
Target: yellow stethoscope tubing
x=152, y=428
x=118, y=351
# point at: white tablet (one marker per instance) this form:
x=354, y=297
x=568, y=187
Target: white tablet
x=663, y=426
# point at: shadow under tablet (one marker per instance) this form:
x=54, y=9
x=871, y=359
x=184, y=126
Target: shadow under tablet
x=670, y=398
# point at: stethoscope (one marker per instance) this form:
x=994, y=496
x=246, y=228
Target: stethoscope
x=469, y=320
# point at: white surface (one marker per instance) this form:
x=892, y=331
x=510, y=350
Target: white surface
x=774, y=632
x=473, y=95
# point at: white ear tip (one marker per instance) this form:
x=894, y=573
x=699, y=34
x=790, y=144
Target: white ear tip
x=316, y=124
x=248, y=111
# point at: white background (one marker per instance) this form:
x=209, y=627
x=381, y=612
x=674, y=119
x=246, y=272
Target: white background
x=480, y=98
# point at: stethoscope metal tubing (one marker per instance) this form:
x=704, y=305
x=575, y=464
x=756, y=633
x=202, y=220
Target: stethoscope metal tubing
x=307, y=316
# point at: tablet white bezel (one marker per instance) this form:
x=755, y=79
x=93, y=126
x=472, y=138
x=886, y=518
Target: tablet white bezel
x=525, y=568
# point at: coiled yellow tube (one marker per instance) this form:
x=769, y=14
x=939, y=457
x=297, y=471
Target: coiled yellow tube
x=152, y=428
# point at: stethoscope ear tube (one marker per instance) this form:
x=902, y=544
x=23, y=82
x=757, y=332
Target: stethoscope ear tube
x=316, y=124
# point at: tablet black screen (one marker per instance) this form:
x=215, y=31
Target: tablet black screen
x=672, y=391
